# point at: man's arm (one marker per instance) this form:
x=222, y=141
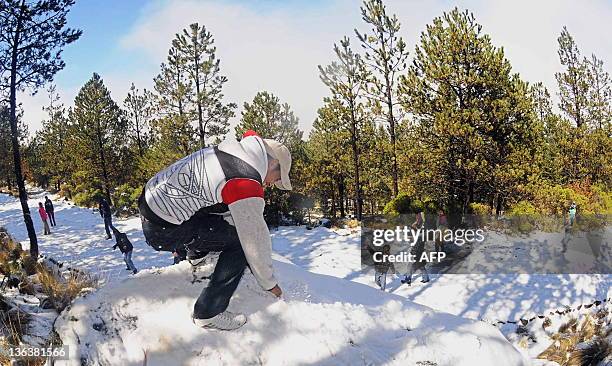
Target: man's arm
x=255, y=239
x=244, y=198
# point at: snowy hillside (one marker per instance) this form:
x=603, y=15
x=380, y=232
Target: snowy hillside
x=323, y=314
x=321, y=320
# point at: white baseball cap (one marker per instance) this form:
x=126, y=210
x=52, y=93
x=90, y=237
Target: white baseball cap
x=281, y=153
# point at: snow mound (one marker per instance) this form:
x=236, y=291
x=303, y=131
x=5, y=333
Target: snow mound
x=321, y=320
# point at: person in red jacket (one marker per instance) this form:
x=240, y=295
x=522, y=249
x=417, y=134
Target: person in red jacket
x=213, y=201
x=44, y=217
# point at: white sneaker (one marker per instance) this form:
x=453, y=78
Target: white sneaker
x=224, y=321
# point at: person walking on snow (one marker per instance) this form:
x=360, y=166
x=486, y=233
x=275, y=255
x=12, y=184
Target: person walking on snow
x=417, y=250
x=572, y=214
x=44, y=217
x=126, y=247
x=441, y=226
x=49, y=209
x=382, y=266
x=105, y=212
x=212, y=201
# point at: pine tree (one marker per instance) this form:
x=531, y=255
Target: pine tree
x=32, y=36
x=7, y=169
x=98, y=134
x=328, y=149
x=385, y=56
x=474, y=120
x=271, y=119
x=599, y=107
x=541, y=100
x=53, y=141
x=195, y=46
x=139, y=112
x=376, y=154
x=171, y=130
x=346, y=78
x=573, y=82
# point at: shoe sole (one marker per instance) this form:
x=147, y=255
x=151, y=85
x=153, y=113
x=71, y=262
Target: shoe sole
x=211, y=327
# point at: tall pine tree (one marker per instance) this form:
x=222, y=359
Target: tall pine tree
x=346, y=77
x=195, y=46
x=138, y=107
x=271, y=119
x=98, y=134
x=32, y=36
x=474, y=119
x=385, y=57
x=573, y=82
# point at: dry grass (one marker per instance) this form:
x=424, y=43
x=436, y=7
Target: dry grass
x=581, y=344
x=13, y=325
x=61, y=291
x=32, y=277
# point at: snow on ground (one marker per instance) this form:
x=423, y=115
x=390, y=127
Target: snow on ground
x=321, y=320
x=477, y=296
x=80, y=239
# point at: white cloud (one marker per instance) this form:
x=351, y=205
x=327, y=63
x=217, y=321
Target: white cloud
x=276, y=51
x=279, y=49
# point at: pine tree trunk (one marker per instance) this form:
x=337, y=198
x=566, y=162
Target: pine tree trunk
x=358, y=199
x=103, y=162
x=199, y=102
x=391, y=121
x=139, y=138
x=333, y=201
x=23, y=195
x=341, y=196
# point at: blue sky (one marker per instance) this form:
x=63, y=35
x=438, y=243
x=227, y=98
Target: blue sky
x=277, y=45
x=103, y=24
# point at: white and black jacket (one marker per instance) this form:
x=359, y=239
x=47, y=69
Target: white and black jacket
x=227, y=177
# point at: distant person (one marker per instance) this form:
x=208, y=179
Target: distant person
x=441, y=226
x=126, y=247
x=105, y=212
x=44, y=217
x=382, y=266
x=417, y=250
x=572, y=214
x=49, y=208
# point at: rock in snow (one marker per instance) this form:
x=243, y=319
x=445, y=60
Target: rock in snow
x=321, y=320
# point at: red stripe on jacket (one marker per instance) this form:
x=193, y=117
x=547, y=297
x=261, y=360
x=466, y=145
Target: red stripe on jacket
x=241, y=188
x=250, y=133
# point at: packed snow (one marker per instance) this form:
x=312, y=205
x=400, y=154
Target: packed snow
x=320, y=320
x=333, y=320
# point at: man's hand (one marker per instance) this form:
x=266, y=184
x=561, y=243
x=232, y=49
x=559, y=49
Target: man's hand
x=276, y=291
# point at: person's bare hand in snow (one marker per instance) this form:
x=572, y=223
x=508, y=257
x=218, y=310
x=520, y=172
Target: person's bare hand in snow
x=276, y=291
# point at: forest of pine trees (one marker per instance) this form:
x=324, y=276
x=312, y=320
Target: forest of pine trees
x=445, y=122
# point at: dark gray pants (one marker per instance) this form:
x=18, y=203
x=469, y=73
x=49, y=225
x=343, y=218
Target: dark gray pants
x=108, y=224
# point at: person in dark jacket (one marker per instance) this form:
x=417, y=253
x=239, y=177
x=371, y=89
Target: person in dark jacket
x=126, y=247
x=49, y=209
x=105, y=212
